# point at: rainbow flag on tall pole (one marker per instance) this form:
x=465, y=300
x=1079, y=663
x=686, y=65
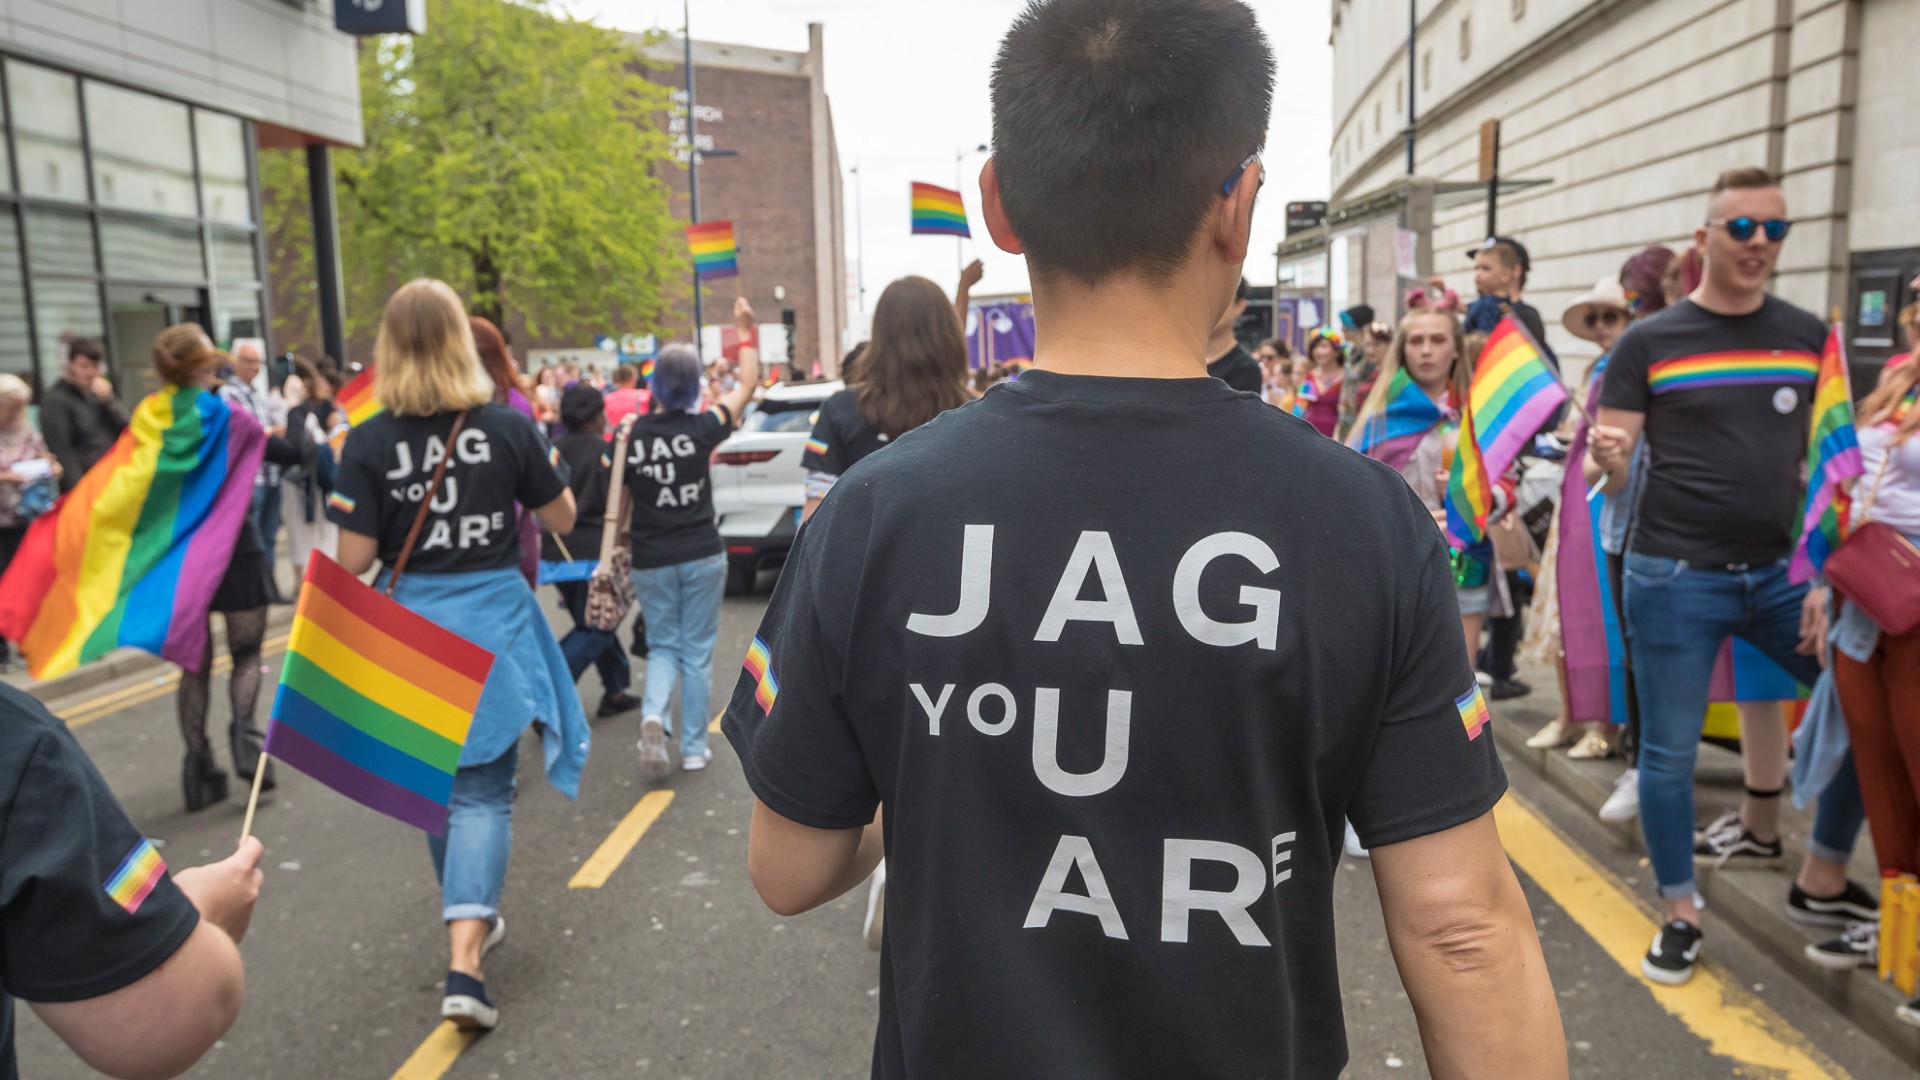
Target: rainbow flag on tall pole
x=1515, y=392
x=375, y=701
x=132, y=556
x=1833, y=461
x=715, y=254
x=939, y=211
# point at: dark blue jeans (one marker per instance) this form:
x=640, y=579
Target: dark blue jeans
x=584, y=645
x=1677, y=617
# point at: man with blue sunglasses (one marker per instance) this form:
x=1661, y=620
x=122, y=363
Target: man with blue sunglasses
x=1721, y=385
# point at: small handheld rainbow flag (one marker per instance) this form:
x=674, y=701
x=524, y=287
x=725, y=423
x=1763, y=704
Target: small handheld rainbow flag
x=375, y=701
x=1514, y=393
x=1833, y=461
x=715, y=255
x=939, y=211
x=1392, y=433
x=1469, y=490
x=356, y=399
x=132, y=556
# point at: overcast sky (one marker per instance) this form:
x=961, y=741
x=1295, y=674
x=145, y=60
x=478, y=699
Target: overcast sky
x=908, y=80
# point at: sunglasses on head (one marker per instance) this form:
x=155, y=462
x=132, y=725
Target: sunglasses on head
x=1233, y=180
x=1608, y=317
x=1743, y=228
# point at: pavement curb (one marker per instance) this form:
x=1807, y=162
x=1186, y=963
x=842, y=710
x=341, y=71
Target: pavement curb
x=126, y=663
x=1750, y=901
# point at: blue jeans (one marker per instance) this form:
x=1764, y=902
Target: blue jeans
x=682, y=603
x=584, y=645
x=471, y=860
x=1677, y=617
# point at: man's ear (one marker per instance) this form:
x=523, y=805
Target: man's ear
x=997, y=225
x=1233, y=219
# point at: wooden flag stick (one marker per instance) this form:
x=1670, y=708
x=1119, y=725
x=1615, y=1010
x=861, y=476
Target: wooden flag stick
x=253, y=800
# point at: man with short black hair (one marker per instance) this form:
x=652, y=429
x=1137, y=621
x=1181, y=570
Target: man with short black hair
x=1721, y=385
x=1232, y=363
x=79, y=415
x=1115, y=699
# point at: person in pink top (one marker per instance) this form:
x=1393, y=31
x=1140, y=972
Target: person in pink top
x=627, y=398
x=1326, y=370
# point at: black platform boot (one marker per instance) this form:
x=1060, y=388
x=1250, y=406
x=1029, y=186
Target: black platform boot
x=202, y=781
x=246, y=743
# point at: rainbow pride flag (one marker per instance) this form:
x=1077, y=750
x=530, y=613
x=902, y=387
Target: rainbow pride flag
x=1393, y=432
x=131, y=557
x=715, y=255
x=939, y=211
x=1515, y=393
x=356, y=399
x=136, y=876
x=1833, y=461
x=1731, y=369
x=1469, y=490
x=375, y=701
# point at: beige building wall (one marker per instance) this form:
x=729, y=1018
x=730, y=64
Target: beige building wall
x=1629, y=108
x=1886, y=150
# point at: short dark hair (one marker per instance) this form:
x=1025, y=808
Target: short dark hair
x=1752, y=176
x=1116, y=123
x=1240, y=292
x=626, y=375
x=91, y=348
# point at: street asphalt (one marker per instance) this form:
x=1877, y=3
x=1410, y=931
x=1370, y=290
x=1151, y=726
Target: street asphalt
x=674, y=969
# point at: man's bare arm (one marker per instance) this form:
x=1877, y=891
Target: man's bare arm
x=1464, y=941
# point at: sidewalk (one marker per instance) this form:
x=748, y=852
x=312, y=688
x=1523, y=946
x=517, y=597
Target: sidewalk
x=1751, y=901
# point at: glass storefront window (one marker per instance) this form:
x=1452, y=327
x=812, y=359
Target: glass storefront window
x=59, y=242
x=142, y=152
x=143, y=249
x=224, y=193
x=63, y=307
x=233, y=258
x=16, y=352
x=236, y=314
x=46, y=130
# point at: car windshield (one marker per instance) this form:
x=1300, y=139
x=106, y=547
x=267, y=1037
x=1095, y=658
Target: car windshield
x=781, y=416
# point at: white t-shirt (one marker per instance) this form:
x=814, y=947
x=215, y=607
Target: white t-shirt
x=1898, y=503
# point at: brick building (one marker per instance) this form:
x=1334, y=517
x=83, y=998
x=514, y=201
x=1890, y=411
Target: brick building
x=782, y=192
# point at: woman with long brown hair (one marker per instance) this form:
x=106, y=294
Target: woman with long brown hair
x=497, y=358
x=914, y=369
x=435, y=478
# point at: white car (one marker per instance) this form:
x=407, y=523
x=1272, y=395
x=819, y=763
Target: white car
x=759, y=485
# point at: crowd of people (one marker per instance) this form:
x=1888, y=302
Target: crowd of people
x=1354, y=694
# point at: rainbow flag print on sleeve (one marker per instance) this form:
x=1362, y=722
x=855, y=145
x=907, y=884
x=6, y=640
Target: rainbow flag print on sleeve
x=1833, y=461
x=136, y=877
x=375, y=701
x=1473, y=712
x=132, y=556
x=715, y=254
x=760, y=666
x=939, y=211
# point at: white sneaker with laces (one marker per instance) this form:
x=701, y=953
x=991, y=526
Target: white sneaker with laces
x=696, y=762
x=1624, y=803
x=653, y=747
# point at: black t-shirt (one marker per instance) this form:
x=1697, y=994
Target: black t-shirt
x=1154, y=689
x=1727, y=399
x=588, y=459
x=86, y=904
x=1239, y=370
x=841, y=436
x=499, y=459
x=667, y=469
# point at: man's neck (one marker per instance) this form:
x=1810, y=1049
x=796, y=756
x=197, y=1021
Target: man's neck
x=1122, y=329
x=1728, y=302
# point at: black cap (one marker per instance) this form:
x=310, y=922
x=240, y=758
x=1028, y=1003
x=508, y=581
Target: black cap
x=580, y=405
x=1526, y=264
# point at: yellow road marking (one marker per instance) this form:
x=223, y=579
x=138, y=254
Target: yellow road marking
x=1715, y=1008
x=435, y=1056
x=714, y=728
x=613, y=850
x=139, y=694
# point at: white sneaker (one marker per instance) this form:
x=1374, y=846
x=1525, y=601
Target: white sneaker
x=1624, y=803
x=1352, y=844
x=1483, y=679
x=1559, y=732
x=494, y=936
x=874, y=928
x=653, y=747
x=696, y=762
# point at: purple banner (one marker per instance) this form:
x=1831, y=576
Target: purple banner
x=999, y=334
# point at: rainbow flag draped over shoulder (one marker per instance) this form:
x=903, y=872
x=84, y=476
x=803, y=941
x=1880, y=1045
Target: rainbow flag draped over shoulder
x=1469, y=490
x=1392, y=432
x=1515, y=392
x=939, y=211
x=375, y=701
x=715, y=254
x=131, y=557
x=1833, y=461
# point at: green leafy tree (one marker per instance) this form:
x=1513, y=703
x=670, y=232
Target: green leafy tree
x=516, y=154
